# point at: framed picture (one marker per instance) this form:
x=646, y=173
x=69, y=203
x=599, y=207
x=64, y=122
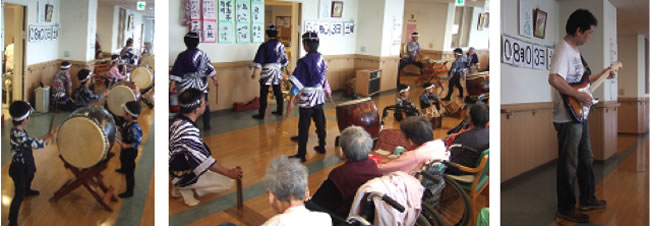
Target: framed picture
x=540, y=23
x=337, y=9
x=130, y=23
x=49, y=10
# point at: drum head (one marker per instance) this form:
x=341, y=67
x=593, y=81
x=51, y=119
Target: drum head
x=119, y=95
x=142, y=77
x=81, y=142
x=148, y=60
x=353, y=102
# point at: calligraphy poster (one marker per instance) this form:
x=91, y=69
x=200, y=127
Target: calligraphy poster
x=525, y=19
x=243, y=33
x=226, y=32
x=226, y=10
x=257, y=33
x=194, y=7
x=257, y=13
x=325, y=9
x=195, y=26
x=210, y=31
x=242, y=12
x=348, y=28
x=336, y=28
x=209, y=10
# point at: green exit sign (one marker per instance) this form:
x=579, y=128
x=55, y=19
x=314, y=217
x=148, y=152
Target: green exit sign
x=141, y=5
x=460, y=2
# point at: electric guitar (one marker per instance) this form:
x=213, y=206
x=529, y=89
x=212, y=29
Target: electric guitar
x=578, y=111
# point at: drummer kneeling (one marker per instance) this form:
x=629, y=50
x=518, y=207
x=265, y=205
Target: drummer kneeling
x=191, y=166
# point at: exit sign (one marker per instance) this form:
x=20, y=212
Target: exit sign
x=141, y=5
x=460, y=2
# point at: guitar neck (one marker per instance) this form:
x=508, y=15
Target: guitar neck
x=598, y=82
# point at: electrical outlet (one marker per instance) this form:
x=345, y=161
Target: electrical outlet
x=363, y=49
x=66, y=53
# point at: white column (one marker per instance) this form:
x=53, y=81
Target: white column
x=78, y=27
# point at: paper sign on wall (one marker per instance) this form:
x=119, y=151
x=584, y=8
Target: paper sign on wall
x=257, y=33
x=43, y=33
x=243, y=33
x=210, y=31
x=209, y=10
x=348, y=28
x=226, y=10
x=257, y=13
x=524, y=54
x=325, y=9
x=311, y=25
x=525, y=19
x=226, y=32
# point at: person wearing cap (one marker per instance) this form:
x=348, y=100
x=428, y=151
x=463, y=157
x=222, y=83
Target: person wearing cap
x=131, y=140
x=23, y=167
x=62, y=88
x=191, y=166
x=428, y=97
x=114, y=73
x=192, y=69
x=271, y=58
x=309, y=90
x=129, y=55
x=403, y=101
x=413, y=55
x=457, y=68
x=83, y=95
x=472, y=58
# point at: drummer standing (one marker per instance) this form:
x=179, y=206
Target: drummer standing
x=457, y=68
x=23, y=168
x=83, y=95
x=309, y=79
x=192, y=69
x=271, y=58
x=131, y=140
x=62, y=87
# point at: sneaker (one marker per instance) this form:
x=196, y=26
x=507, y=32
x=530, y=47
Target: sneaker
x=598, y=204
x=319, y=149
x=278, y=113
x=32, y=193
x=126, y=195
x=302, y=158
x=574, y=216
x=258, y=116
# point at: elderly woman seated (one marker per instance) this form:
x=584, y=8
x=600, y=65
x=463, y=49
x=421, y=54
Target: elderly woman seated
x=286, y=182
x=336, y=194
x=418, y=130
x=475, y=140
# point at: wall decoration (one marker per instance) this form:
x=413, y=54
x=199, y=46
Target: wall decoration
x=337, y=9
x=243, y=21
x=130, y=25
x=348, y=28
x=49, y=10
x=525, y=19
x=540, y=23
x=226, y=32
x=209, y=8
x=483, y=20
x=336, y=28
x=242, y=12
x=524, y=54
x=325, y=9
x=193, y=9
x=323, y=28
x=195, y=26
x=226, y=10
x=311, y=25
x=43, y=33
x=210, y=31
x=257, y=13
x=243, y=33
x=257, y=33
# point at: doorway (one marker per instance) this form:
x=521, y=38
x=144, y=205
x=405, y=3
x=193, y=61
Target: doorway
x=286, y=16
x=13, y=54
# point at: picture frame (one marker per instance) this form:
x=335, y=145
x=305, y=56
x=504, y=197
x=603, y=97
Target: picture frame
x=130, y=25
x=539, y=18
x=337, y=9
x=49, y=10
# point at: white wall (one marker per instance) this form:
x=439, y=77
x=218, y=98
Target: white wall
x=478, y=39
x=520, y=85
x=38, y=52
x=392, y=27
x=77, y=21
x=632, y=55
x=105, y=15
x=338, y=45
x=431, y=18
x=369, y=27
x=149, y=31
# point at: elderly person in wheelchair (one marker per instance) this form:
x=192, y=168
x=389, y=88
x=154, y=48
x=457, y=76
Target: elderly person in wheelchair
x=473, y=141
x=336, y=193
x=418, y=130
x=286, y=182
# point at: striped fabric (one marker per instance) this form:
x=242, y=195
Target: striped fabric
x=189, y=157
x=22, y=144
x=310, y=78
x=192, y=69
x=271, y=57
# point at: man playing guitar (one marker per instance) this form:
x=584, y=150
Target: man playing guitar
x=574, y=155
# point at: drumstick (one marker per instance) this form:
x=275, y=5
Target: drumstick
x=240, y=195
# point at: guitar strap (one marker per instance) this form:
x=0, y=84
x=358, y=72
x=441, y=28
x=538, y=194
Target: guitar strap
x=587, y=72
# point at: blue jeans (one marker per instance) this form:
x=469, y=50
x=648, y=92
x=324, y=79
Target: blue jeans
x=574, y=160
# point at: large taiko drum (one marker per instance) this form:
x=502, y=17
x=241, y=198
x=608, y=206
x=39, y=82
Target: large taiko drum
x=361, y=112
x=142, y=77
x=149, y=61
x=86, y=136
x=478, y=83
x=121, y=93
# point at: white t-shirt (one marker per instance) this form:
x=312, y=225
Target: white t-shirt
x=299, y=215
x=565, y=62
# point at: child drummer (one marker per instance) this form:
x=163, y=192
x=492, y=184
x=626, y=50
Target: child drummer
x=23, y=168
x=309, y=79
x=83, y=95
x=428, y=98
x=403, y=101
x=131, y=140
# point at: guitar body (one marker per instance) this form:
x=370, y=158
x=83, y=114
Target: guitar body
x=578, y=111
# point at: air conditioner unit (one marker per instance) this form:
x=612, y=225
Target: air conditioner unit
x=42, y=99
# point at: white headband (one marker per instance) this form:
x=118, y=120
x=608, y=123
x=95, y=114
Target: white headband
x=430, y=86
x=66, y=66
x=405, y=90
x=86, y=79
x=29, y=112
x=129, y=112
x=193, y=104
